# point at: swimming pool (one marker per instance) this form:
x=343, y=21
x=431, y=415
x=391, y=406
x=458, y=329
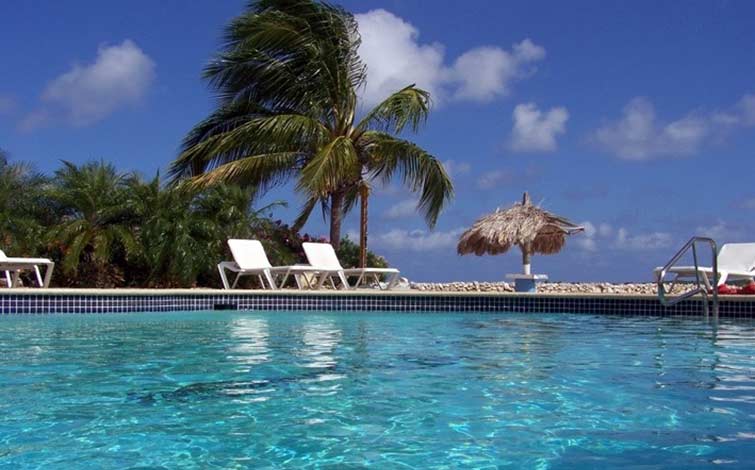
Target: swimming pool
x=310, y=389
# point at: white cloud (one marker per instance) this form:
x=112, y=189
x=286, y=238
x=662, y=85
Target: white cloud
x=586, y=240
x=642, y=241
x=639, y=136
x=395, y=58
x=603, y=235
x=35, y=119
x=454, y=168
x=721, y=231
x=416, y=240
x=742, y=114
x=405, y=208
x=605, y=230
x=586, y=244
x=120, y=76
x=484, y=73
x=496, y=178
x=590, y=229
x=746, y=110
x=535, y=130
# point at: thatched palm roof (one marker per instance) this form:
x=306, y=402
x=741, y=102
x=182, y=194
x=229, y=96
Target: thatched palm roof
x=533, y=229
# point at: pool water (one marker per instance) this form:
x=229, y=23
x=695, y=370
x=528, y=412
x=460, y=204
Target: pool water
x=350, y=390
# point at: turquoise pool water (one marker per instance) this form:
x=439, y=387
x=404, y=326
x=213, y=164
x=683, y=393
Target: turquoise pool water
x=316, y=390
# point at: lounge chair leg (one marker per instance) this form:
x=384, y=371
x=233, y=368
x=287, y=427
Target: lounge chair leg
x=307, y=280
x=344, y=280
x=8, y=281
x=39, y=276
x=392, y=281
x=236, y=281
x=48, y=275
x=270, y=279
x=223, y=277
x=323, y=278
x=285, y=278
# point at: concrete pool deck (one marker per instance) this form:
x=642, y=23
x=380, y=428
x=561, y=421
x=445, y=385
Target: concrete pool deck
x=67, y=300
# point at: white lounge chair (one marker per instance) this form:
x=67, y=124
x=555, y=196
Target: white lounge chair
x=250, y=259
x=323, y=258
x=14, y=266
x=736, y=262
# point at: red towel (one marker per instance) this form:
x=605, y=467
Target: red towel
x=728, y=290
x=749, y=289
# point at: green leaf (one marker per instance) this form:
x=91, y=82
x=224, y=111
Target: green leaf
x=409, y=105
x=335, y=164
x=420, y=171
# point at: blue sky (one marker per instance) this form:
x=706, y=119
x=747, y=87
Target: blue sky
x=635, y=118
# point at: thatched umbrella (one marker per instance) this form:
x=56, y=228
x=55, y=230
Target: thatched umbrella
x=531, y=228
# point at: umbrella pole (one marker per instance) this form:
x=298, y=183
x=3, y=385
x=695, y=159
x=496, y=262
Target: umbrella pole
x=526, y=266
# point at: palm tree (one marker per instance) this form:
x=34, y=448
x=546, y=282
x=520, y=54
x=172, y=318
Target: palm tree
x=287, y=81
x=94, y=224
x=181, y=232
x=172, y=237
x=23, y=207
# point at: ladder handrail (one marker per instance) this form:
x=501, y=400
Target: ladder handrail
x=699, y=289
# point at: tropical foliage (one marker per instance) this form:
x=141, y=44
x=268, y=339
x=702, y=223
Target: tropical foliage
x=106, y=228
x=23, y=215
x=287, y=79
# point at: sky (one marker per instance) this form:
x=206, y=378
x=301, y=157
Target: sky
x=635, y=119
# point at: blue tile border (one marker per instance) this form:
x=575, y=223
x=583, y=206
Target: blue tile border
x=37, y=303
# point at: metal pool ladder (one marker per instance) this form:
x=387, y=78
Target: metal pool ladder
x=700, y=288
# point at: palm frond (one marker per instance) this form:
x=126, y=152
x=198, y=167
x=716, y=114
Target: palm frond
x=307, y=208
x=263, y=171
x=279, y=134
x=420, y=171
x=408, y=106
x=74, y=250
x=336, y=163
x=298, y=54
x=222, y=120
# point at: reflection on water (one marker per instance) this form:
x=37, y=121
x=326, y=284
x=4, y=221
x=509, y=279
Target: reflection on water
x=250, y=341
x=314, y=390
x=320, y=338
x=734, y=366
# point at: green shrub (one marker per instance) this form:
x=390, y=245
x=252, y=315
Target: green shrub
x=104, y=228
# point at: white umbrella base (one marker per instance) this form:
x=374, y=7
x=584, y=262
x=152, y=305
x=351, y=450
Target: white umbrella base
x=526, y=282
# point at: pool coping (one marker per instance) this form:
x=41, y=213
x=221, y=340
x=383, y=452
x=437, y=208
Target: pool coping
x=66, y=291
x=66, y=300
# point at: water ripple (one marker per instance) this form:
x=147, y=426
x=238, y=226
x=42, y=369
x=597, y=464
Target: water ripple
x=312, y=390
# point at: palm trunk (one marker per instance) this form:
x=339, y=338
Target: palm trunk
x=364, y=196
x=336, y=216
